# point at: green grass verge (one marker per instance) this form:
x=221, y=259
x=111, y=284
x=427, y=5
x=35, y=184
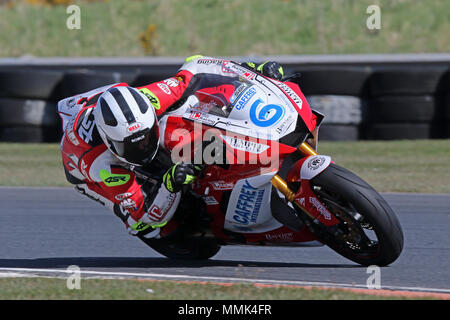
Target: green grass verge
x=421, y=166
x=51, y=289
x=34, y=165
x=391, y=166
x=232, y=27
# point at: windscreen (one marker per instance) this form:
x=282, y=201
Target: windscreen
x=217, y=95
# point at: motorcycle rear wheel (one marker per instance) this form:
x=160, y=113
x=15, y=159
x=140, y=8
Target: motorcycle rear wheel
x=187, y=249
x=363, y=213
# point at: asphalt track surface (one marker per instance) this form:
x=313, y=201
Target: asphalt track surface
x=43, y=231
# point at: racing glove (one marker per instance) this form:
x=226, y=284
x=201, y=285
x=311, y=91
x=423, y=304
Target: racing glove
x=269, y=69
x=179, y=175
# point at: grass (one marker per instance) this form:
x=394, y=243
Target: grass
x=396, y=166
x=34, y=165
x=109, y=289
x=224, y=28
x=392, y=166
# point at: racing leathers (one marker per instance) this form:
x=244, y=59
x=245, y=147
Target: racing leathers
x=97, y=173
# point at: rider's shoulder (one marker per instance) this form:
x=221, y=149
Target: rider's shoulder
x=70, y=107
x=86, y=127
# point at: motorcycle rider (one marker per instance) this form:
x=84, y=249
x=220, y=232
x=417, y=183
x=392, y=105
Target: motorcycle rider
x=110, y=131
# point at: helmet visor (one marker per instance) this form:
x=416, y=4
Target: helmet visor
x=139, y=148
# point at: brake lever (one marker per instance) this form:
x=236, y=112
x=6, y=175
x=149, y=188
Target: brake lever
x=293, y=77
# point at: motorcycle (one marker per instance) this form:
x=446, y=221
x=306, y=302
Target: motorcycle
x=267, y=184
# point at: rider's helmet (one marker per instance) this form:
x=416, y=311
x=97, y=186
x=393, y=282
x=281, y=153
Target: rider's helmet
x=127, y=124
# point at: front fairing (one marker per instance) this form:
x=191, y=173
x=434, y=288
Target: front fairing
x=243, y=102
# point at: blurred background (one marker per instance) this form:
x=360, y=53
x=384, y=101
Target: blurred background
x=222, y=27
x=378, y=70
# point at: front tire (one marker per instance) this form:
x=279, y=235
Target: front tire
x=363, y=213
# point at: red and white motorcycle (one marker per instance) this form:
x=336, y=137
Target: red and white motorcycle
x=264, y=183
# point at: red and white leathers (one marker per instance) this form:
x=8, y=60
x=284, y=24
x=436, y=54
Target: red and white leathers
x=97, y=173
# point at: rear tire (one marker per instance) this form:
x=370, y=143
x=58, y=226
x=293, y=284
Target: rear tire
x=187, y=249
x=340, y=189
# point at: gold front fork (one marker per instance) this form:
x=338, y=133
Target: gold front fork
x=280, y=184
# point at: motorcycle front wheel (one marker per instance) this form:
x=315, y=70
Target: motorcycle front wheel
x=369, y=232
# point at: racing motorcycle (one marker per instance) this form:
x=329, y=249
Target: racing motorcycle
x=267, y=184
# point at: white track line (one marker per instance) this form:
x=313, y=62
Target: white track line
x=24, y=272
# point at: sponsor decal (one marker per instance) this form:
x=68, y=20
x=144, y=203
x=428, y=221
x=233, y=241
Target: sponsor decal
x=138, y=138
x=245, y=98
x=210, y=200
x=225, y=69
x=113, y=180
x=242, y=71
x=323, y=211
x=315, y=163
x=313, y=166
x=71, y=103
x=195, y=115
x=172, y=82
x=260, y=118
x=218, y=62
x=128, y=204
x=155, y=213
x=86, y=128
x=284, y=125
x=134, y=127
x=282, y=237
x=170, y=199
x=245, y=145
x=226, y=66
x=164, y=87
x=290, y=93
x=248, y=204
x=204, y=118
x=221, y=185
x=140, y=226
x=248, y=75
x=116, y=180
x=301, y=201
x=236, y=94
x=151, y=96
x=122, y=196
